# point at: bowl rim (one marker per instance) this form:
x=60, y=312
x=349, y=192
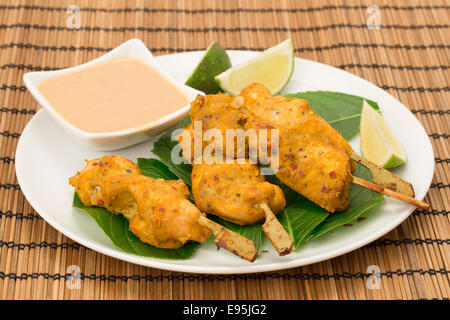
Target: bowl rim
x=142, y=54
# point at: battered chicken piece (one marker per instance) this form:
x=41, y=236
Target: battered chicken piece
x=238, y=193
x=234, y=192
x=291, y=113
x=88, y=183
x=313, y=168
x=118, y=198
x=316, y=170
x=159, y=212
x=213, y=112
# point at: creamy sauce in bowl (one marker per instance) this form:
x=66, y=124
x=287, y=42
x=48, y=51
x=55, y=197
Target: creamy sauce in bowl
x=120, y=94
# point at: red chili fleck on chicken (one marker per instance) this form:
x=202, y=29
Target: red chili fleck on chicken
x=326, y=190
x=293, y=166
x=289, y=155
x=333, y=174
x=100, y=202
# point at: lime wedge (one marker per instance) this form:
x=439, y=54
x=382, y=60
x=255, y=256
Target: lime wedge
x=272, y=68
x=214, y=62
x=378, y=143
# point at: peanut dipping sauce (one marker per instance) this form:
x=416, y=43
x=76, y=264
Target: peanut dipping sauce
x=123, y=93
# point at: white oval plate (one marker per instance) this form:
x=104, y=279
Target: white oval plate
x=46, y=157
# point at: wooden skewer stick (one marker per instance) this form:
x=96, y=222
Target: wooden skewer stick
x=390, y=193
x=230, y=240
x=384, y=177
x=279, y=237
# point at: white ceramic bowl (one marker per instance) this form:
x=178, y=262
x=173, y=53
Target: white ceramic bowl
x=133, y=48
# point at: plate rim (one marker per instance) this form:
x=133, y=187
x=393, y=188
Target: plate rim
x=167, y=265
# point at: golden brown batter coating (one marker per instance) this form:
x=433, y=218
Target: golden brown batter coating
x=313, y=168
x=214, y=112
x=88, y=182
x=118, y=199
x=316, y=170
x=158, y=210
x=291, y=113
x=234, y=192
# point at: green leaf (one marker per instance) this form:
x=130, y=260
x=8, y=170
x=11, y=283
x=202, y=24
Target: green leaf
x=119, y=230
x=155, y=169
x=342, y=111
x=300, y=218
x=361, y=200
x=163, y=149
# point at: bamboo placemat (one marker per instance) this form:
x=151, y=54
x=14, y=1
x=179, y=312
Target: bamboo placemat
x=408, y=56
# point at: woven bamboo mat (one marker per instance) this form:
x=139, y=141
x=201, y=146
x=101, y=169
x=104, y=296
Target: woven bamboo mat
x=408, y=56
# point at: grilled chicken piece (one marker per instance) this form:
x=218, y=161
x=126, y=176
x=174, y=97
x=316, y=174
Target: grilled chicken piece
x=234, y=192
x=159, y=210
x=316, y=170
x=291, y=113
x=89, y=182
x=211, y=112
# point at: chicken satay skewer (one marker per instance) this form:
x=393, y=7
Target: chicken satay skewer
x=229, y=240
x=323, y=154
x=341, y=173
x=297, y=115
x=294, y=142
x=388, y=192
x=273, y=229
x=238, y=193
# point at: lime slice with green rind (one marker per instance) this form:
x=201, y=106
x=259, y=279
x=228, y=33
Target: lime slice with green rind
x=378, y=142
x=214, y=62
x=273, y=68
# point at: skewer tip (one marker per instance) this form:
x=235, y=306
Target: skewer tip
x=276, y=233
x=230, y=240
